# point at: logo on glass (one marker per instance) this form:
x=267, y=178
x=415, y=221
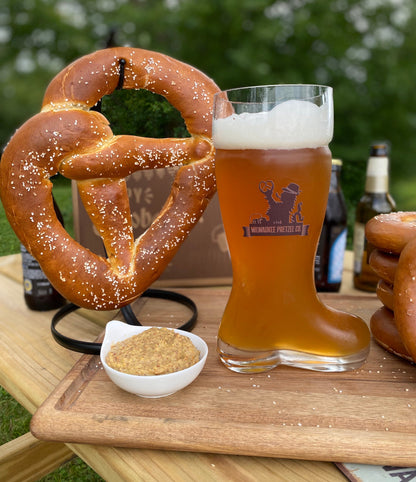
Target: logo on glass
x=284, y=215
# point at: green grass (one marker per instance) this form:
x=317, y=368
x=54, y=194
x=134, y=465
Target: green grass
x=14, y=419
x=8, y=242
x=14, y=422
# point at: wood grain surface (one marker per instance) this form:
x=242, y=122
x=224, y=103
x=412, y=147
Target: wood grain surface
x=32, y=364
x=363, y=416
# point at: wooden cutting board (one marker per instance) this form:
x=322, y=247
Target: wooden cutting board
x=365, y=416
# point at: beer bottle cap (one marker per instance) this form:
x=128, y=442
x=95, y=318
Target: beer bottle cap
x=379, y=149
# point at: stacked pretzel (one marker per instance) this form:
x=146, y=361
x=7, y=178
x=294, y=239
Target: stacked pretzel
x=393, y=237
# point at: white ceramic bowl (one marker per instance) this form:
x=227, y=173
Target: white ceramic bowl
x=149, y=386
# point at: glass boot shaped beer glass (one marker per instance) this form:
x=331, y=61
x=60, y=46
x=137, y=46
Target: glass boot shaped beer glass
x=273, y=169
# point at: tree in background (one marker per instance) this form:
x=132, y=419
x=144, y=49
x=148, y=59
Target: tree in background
x=363, y=48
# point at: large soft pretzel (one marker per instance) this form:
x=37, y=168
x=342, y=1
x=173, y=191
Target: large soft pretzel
x=69, y=138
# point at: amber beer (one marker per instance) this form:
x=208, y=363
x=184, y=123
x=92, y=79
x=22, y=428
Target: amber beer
x=273, y=203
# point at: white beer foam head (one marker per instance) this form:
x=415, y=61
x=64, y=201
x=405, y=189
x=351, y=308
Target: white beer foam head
x=293, y=124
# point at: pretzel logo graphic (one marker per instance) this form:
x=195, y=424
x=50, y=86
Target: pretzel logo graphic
x=68, y=137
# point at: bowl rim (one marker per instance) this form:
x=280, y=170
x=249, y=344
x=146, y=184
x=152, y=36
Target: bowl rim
x=131, y=331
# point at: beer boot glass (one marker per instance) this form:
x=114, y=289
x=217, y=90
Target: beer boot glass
x=273, y=169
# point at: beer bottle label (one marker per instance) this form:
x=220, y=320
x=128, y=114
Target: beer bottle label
x=336, y=257
x=359, y=239
x=34, y=280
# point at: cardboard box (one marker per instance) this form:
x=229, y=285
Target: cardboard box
x=203, y=259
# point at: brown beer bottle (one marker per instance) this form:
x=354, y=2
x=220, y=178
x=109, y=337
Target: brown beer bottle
x=329, y=259
x=376, y=200
x=39, y=293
